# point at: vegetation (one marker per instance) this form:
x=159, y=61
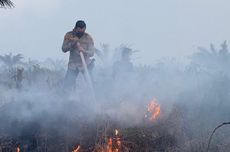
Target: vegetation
x=40, y=114
x=6, y=3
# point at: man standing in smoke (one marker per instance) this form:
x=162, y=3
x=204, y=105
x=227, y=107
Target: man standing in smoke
x=124, y=66
x=77, y=41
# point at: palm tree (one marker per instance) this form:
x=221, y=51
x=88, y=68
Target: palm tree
x=6, y=3
x=11, y=60
x=212, y=57
x=57, y=64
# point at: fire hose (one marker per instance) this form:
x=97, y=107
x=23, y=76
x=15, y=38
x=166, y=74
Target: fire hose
x=210, y=138
x=86, y=72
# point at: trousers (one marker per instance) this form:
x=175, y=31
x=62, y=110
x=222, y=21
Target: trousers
x=71, y=75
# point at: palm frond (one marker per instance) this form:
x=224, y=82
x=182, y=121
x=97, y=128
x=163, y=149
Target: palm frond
x=11, y=60
x=17, y=58
x=224, y=48
x=6, y=3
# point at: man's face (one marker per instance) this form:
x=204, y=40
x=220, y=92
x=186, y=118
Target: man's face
x=81, y=30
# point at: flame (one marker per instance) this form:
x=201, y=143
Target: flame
x=110, y=145
x=18, y=149
x=114, y=144
x=154, y=110
x=118, y=141
x=77, y=149
x=116, y=132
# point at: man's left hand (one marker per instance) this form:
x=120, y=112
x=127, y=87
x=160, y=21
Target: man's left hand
x=81, y=49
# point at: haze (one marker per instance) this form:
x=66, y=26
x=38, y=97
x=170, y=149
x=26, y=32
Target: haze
x=166, y=28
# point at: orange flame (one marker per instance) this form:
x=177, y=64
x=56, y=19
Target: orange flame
x=154, y=110
x=114, y=144
x=77, y=149
x=110, y=145
x=118, y=141
x=18, y=149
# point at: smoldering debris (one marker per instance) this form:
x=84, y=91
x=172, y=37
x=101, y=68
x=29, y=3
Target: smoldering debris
x=168, y=106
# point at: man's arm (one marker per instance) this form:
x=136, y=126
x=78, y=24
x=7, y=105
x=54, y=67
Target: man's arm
x=91, y=49
x=68, y=43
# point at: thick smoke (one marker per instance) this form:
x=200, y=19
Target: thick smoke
x=194, y=97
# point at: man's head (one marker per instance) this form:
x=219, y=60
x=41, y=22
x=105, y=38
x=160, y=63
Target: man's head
x=80, y=28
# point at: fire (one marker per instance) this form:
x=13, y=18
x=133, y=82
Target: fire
x=110, y=145
x=18, y=149
x=116, y=132
x=114, y=144
x=154, y=110
x=118, y=141
x=77, y=149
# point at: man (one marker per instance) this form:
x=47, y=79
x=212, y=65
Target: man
x=77, y=41
x=123, y=66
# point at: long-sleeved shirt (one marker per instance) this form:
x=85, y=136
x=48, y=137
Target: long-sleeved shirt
x=69, y=44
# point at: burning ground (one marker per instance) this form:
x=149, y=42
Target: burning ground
x=165, y=107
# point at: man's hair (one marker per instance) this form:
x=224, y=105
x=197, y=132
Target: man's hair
x=80, y=23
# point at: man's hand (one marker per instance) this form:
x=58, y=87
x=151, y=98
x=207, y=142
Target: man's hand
x=81, y=49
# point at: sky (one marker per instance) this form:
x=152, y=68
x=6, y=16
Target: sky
x=158, y=29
